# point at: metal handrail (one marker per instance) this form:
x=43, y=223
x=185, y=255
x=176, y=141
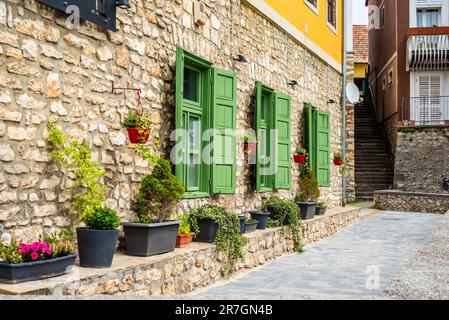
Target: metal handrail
x=426, y=110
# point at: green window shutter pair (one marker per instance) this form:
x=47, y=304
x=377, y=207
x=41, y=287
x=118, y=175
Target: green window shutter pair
x=273, y=111
x=317, y=138
x=216, y=110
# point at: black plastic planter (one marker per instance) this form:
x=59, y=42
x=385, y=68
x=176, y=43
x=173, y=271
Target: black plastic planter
x=261, y=217
x=242, y=220
x=307, y=210
x=32, y=271
x=320, y=211
x=145, y=240
x=96, y=248
x=251, y=227
x=208, y=231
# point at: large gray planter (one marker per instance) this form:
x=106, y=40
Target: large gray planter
x=307, y=210
x=32, y=271
x=96, y=248
x=145, y=240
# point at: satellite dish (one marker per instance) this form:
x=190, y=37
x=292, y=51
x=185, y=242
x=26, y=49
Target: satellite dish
x=352, y=93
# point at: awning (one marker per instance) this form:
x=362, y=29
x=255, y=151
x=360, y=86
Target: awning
x=428, y=53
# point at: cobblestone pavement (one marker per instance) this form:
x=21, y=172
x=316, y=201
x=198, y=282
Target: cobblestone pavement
x=359, y=262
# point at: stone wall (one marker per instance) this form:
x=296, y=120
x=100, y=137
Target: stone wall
x=422, y=160
x=399, y=200
x=350, y=137
x=49, y=73
x=184, y=270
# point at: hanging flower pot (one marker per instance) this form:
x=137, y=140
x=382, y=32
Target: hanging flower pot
x=250, y=148
x=338, y=158
x=138, y=126
x=138, y=135
x=300, y=156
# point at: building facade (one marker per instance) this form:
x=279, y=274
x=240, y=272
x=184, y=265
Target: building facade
x=216, y=68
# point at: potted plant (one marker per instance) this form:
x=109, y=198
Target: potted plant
x=153, y=232
x=216, y=224
x=251, y=225
x=308, y=195
x=138, y=125
x=320, y=209
x=52, y=257
x=97, y=241
x=338, y=158
x=300, y=156
x=185, y=235
x=261, y=217
x=242, y=220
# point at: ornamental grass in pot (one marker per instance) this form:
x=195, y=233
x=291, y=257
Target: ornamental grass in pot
x=153, y=232
x=97, y=241
x=51, y=257
x=309, y=193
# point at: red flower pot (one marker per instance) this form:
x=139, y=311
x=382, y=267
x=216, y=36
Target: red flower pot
x=338, y=162
x=138, y=135
x=299, y=158
x=250, y=148
x=183, y=240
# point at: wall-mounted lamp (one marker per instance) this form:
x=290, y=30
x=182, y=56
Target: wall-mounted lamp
x=293, y=83
x=123, y=4
x=240, y=58
x=331, y=101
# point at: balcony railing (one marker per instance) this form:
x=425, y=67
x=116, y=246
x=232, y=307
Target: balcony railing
x=428, y=52
x=425, y=111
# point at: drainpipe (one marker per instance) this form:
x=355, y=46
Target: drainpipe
x=343, y=95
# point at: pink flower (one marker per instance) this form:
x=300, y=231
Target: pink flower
x=35, y=246
x=34, y=256
x=24, y=248
x=44, y=245
x=47, y=251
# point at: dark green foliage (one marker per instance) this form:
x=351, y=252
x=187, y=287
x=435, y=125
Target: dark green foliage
x=102, y=219
x=136, y=120
x=229, y=239
x=285, y=212
x=309, y=190
x=158, y=193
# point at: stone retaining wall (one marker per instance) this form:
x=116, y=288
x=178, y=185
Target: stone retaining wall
x=183, y=270
x=399, y=200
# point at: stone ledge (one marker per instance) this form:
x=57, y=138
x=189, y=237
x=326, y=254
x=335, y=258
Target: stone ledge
x=399, y=200
x=183, y=270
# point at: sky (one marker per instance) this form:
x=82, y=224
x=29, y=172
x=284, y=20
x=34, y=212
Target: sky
x=360, y=12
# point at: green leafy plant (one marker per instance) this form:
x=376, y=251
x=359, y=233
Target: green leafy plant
x=136, y=119
x=343, y=170
x=102, y=219
x=309, y=190
x=158, y=193
x=251, y=220
x=90, y=194
x=338, y=155
x=229, y=239
x=285, y=212
x=62, y=242
x=321, y=205
x=10, y=254
x=184, y=227
x=301, y=151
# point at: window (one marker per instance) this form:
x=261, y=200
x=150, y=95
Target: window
x=332, y=13
x=312, y=4
x=205, y=99
x=428, y=18
x=272, y=123
x=317, y=141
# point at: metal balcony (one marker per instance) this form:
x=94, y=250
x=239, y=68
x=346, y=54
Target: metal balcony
x=425, y=111
x=428, y=52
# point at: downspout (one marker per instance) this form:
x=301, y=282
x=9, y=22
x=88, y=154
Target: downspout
x=343, y=96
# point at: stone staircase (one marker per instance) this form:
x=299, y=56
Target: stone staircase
x=373, y=166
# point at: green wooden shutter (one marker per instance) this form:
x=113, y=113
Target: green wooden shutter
x=323, y=149
x=282, y=178
x=180, y=150
x=224, y=108
x=309, y=134
x=258, y=127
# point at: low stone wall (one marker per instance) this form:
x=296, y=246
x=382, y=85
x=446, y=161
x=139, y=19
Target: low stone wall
x=399, y=200
x=183, y=270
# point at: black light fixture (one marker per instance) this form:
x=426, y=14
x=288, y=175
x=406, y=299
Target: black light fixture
x=293, y=83
x=123, y=4
x=331, y=101
x=240, y=58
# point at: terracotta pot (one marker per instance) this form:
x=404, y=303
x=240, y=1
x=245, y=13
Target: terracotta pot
x=182, y=240
x=138, y=135
x=299, y=158
x=250, y=148
x=338, y=162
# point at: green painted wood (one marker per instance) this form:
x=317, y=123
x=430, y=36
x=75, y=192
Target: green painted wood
x=323, y=148
x=282, y=112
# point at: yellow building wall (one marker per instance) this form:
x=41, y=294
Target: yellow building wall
x=298, y=13
x=360, y=70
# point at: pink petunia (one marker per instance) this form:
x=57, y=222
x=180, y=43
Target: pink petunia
x=24, y=248
x=35, y=246
x=47, y=251
x=34, y=256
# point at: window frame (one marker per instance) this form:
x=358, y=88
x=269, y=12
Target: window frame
x=328, y=23
x=425, y=11
x=315, y=9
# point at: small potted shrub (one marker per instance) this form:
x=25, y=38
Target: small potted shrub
x=216, y=224
x=308, y=195
x=300, y=156
x=320, y=209
x=185, y=235
x=98, y=240
x=153, y=232
x=138, y=126
x=261, y=217
x=251, y=225
x=338, y=158
x=54, y=256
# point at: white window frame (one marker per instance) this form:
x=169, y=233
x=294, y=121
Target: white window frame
x=443, y=7
x=440, y=17
x=416, y=93
x=312, y=7
x=334, y=29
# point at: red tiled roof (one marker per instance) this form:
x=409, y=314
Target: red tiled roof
x=360, y=39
